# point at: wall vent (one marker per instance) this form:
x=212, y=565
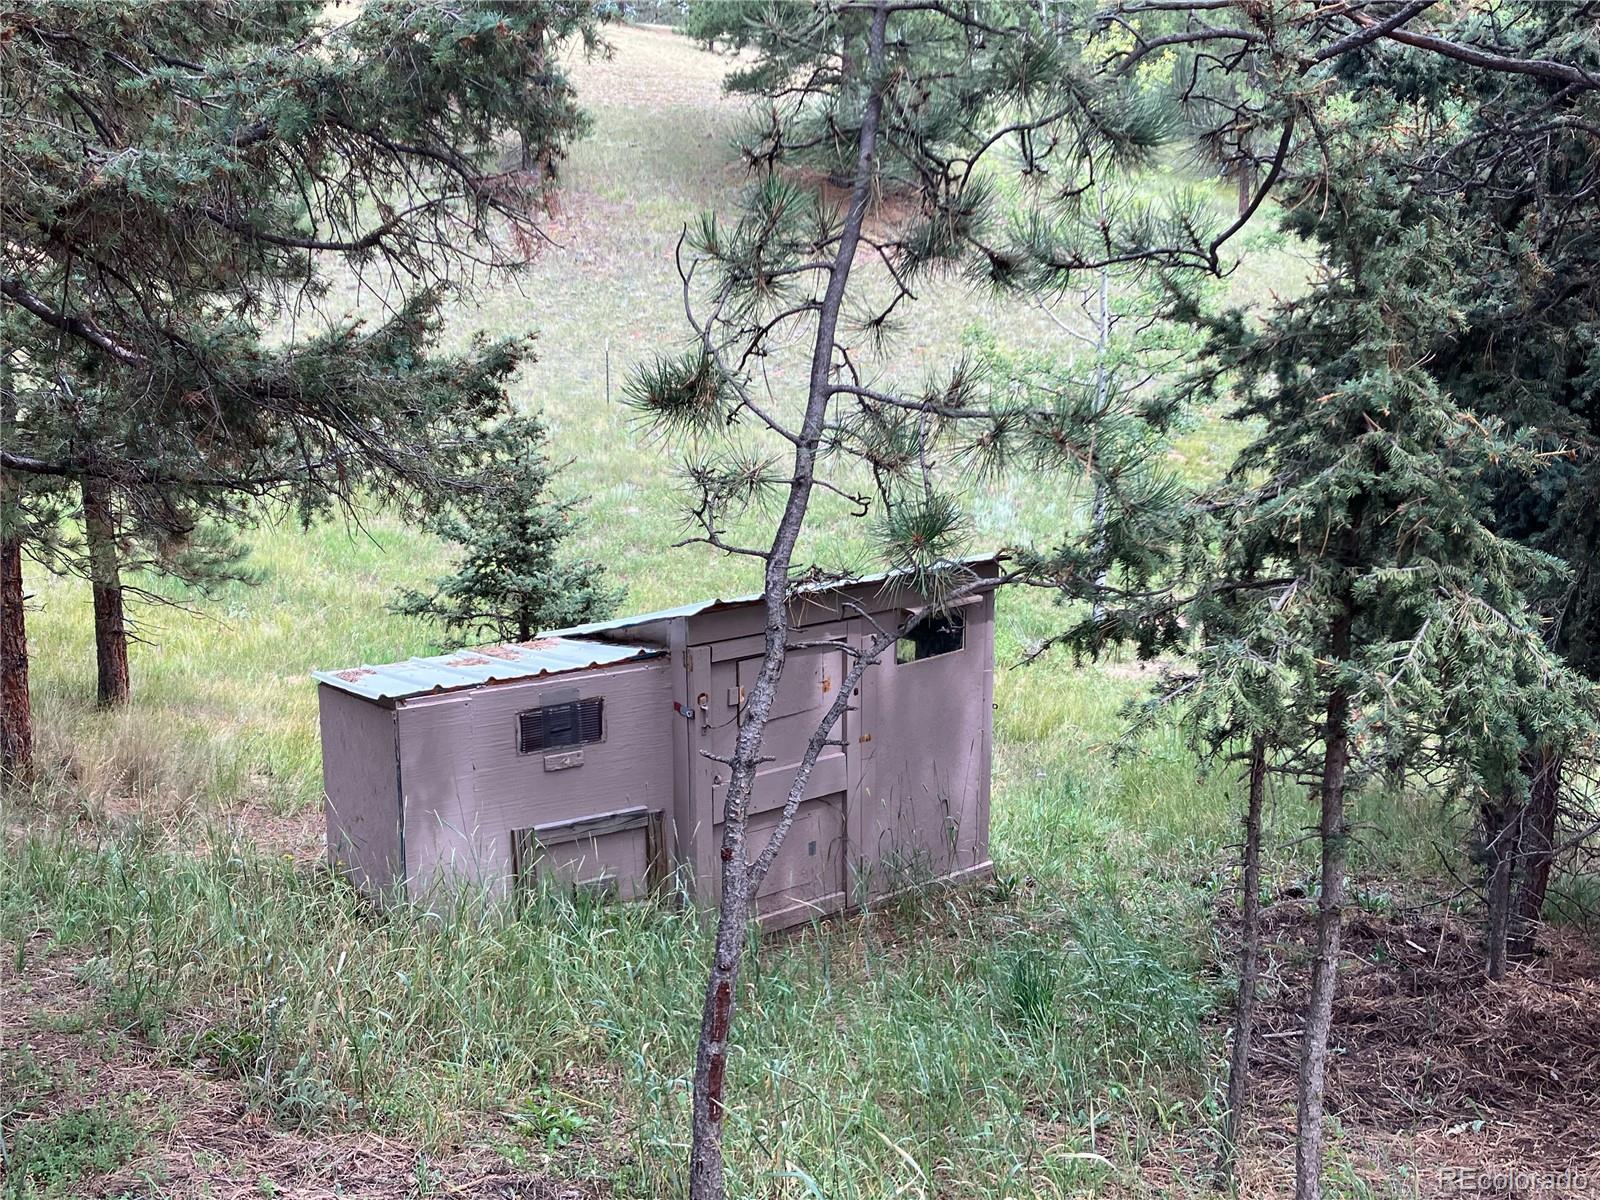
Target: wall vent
x=558, y=726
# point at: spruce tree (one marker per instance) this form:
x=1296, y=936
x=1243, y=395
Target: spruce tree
x=1519, y=153
x=1430, y=107
x=1469, y=86
x=1235, y=698
x=1363, y=517
x=513, y=578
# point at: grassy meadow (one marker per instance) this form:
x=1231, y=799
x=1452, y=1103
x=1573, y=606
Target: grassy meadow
x=1052, y=1033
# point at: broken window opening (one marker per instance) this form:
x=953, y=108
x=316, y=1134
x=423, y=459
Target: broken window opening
x=935, y=634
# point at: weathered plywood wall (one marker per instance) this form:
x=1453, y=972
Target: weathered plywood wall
x=359, y=757
x=924, y=809
x=900, y=796
x=467, y=787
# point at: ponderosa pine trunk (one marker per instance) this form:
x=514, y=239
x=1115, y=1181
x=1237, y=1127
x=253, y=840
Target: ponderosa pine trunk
x=1246, y=171
x=734, y=909
x=16, y=712
x=1333, y=834
x=1244, y=1003
x=538, y=160
x=1543, y=766
x=105, y=577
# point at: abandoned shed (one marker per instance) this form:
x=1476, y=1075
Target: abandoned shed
x=577, y=757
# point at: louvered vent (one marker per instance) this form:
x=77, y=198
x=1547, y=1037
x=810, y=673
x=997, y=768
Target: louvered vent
x=558, y=726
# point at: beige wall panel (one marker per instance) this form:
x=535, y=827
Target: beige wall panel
x=361, y=789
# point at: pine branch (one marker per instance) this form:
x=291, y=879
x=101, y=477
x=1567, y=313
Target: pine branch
x=79, y=327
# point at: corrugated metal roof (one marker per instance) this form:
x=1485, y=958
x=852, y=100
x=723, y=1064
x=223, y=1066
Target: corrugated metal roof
x=552, y=653
x=549, y=655
x=701, y=606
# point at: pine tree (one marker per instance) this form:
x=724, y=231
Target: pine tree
x=16, y=725
x=1456, y=92
x=182, y=179
x=1234, y=698
x=1468, y=85
x=928, y=95
x=513, y=578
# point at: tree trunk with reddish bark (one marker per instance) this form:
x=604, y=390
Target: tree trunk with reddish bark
x=538, y=158
x=741, y=876
x=1543, y=767
x=105, y=576
x=16, y=713
x=16, y=710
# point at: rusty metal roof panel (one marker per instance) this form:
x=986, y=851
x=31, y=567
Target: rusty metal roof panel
x=488, y=664
x=714, y=604
x=553, y=653
x=692, y=609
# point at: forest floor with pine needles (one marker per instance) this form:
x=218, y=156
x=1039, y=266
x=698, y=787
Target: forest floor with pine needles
x=1436, y=1075
x=191, y=1004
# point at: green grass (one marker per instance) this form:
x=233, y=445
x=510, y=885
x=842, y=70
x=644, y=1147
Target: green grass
x=871, y=1052
x=1006, y=1041
x=973, y=1043
x=48, y=1157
